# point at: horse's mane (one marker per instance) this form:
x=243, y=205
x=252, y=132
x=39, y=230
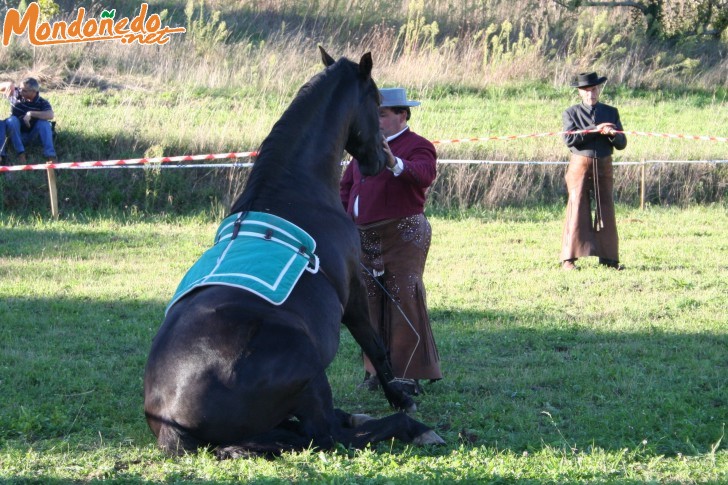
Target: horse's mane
x=307, y=110
x=310, y=102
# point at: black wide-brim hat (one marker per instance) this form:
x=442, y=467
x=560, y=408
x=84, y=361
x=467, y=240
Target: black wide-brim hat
x=587, y=79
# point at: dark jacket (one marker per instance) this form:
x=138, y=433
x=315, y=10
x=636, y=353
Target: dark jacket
x=20, y=106
x=583, y=117
x=385, y=196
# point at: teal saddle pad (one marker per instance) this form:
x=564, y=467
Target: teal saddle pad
x=257, y=252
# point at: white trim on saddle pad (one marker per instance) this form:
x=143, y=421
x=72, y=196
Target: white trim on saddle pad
x=257, y=252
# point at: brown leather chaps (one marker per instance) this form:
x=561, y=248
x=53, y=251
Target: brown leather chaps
x=590, y=180
x=394, y=252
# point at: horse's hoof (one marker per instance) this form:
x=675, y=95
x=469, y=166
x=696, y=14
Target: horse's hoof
x=233, y=453
x=428, y=438
x=411, y=387
x=357, y=420
x=411, y=409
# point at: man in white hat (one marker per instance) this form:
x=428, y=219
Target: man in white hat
x=590, y=176
x=395, y=236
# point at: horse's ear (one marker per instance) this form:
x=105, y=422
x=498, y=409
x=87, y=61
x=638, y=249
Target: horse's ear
x=366, y=64
x=328, y=60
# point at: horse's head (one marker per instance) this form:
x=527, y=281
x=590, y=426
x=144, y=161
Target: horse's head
x=364, y=141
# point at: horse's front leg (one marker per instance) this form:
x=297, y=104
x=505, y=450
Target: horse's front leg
x=364, y=430
x=356, y=319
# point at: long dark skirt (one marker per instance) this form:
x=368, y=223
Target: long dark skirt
x=584, y=235
x=395, y=251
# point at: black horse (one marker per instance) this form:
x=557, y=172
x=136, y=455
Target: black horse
x=233, y=372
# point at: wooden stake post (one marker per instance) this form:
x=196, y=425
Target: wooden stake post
x=53, y=189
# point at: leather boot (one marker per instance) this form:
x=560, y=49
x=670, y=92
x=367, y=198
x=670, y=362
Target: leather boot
x=610, y=263
x=371, y=383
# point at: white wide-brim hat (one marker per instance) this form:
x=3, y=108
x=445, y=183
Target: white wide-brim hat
x=396, y=98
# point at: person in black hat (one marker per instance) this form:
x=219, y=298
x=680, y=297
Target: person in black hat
x=592, y=131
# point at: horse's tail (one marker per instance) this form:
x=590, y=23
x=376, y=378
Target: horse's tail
x=271, y=444
x=174, y=439
x=251, y=450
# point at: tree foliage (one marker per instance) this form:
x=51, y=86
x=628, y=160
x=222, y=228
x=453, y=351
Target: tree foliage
x=669, y=18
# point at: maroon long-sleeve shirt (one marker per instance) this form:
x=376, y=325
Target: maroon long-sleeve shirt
x=386, y=196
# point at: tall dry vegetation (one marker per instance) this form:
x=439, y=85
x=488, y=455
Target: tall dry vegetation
x=263, y=49
x=469, y=43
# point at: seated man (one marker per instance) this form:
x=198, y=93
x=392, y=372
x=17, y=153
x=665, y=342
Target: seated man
x=29, y=119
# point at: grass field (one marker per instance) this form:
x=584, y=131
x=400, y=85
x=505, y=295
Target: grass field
x=101, y=125
x=593, y=376
x=199, y=121
x=481, y=69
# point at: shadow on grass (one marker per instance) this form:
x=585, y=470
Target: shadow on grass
x=72, y=370
x=519, y=381
x=523, y=382
x=19, y=243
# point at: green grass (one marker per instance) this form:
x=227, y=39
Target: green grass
x=208, y=96
x=187, y=121
x=202, y=95
x=199, y=121
x=550, y=377
x=537, y=109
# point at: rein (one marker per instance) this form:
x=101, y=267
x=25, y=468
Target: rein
x=399, y=308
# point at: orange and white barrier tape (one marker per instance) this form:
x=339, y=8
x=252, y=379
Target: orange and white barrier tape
x=507, y=137
x=562, y=162
x=237, y=155
x=681, y=137
x=127, y=162
x=554, y=133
